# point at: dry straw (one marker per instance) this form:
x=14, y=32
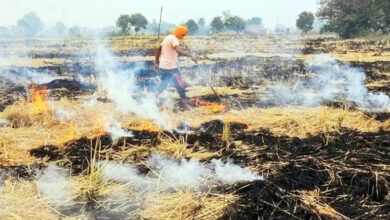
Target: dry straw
x=178, y=149
x=311, y=200
x=20, y=200
x=185, y=205
x=292, y=121
x=29, y=130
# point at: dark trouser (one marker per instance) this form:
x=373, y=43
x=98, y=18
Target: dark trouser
x=171, y=76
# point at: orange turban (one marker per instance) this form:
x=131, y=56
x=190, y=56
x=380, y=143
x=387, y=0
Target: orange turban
x=180, y=31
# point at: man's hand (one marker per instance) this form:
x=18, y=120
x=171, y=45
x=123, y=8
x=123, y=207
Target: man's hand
x=182, y=52
x=156, y=66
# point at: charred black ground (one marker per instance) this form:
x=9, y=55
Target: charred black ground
x=349, y=169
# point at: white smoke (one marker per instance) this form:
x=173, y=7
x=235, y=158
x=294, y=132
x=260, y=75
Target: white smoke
x=31, y=76
x=230, y=173
x=55, y=185
x=179, y=173
x=123, y=173
x=332, y=80
x=4, y=122
x=121, y=88
x=91, y=102
x=116, y=131
x=62, y=114
x=167, y=175
x=172, y=174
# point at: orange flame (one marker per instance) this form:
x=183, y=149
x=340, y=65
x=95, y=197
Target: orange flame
x=71, y=135
x=99, y=126
x=38, y=99
x=62, y=139
x=213, y=107
x=148, y=126
x=140, y=124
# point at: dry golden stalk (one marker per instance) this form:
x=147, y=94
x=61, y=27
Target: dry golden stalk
x=386, y=125
x=178, y=149
x=130, y=153
x=293, y=122
x=20, y=200
x=184, y=205
x=22, y=114
x=226, y=135
x=215, y=206
x=34, y=130
x=311, y=199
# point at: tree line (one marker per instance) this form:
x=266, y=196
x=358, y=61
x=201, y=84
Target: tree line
x=30, y=25
x=136, y=22
x=349, y=18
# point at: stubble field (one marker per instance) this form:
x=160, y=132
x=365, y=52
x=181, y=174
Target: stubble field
x=281, y=127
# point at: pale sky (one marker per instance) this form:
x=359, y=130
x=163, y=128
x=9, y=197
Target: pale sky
x=100, y=13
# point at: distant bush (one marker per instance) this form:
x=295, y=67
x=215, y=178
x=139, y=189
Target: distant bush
x=305, y=21
x=235, y=23
x=192, y=26
x=217, y=24
x=31, y=24
x=355, y=17
x=123, y=23
x=138, y=21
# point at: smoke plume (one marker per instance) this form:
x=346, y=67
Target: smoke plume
x=172, y=174
x=120, y=86
x=27, y=76
x=56, y=186
x=4, y=122
x=331, y=80
x=116, y=131
x=167, y=175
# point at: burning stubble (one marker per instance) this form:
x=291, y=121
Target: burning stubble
x=169, y=174
x=166, y=176
x=331, y=80
x=121, y=88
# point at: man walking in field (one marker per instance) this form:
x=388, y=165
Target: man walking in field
x=166, y=63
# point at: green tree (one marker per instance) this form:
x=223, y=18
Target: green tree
x=305, y=21
x=381, y=17
x=31, y=24
x=123, y=23
x=217, y=24
x=138, y=21
x=355, y=17
x=235, y=23
x=192, y=26
x=255, y=21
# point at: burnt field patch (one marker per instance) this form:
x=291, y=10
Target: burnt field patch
x=343, y=174
x=349, y=170
x=327, y=159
